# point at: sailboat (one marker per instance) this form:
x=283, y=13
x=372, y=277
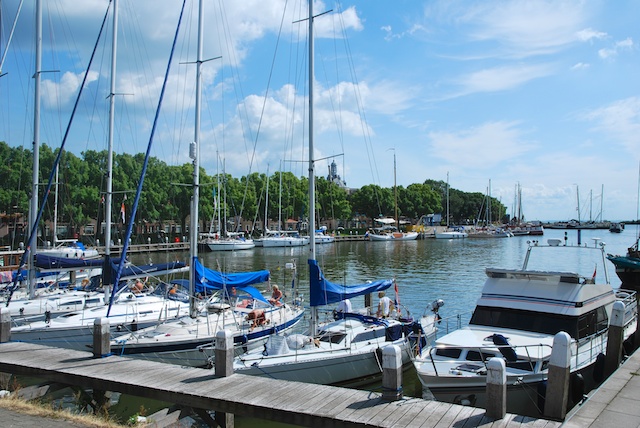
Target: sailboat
x=232, y=304
x=222, y=239
x=387, y=232
x=127, y=309
x=348, y=347
x=457, y=232
x=279, y=238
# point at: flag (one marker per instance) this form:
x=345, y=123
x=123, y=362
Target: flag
x=102, y=200
x=396, y=302
x=122, y=212
x=595, y=269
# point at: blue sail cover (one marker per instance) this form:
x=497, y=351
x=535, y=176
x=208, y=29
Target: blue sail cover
x=208, y=279
x=323, y=292
x=44, y=261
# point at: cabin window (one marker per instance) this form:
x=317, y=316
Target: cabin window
x=524, y=320
x=369, y=335
x=593, y=322
x=332, y=337
x=476, y=356
x=521, y=365
x=449, y=352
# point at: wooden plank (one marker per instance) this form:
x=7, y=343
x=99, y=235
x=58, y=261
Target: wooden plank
x=396, y=412
x=461, y=418
x=414, y=417
x=449, y=416
x=350, y=411
x=431, y=413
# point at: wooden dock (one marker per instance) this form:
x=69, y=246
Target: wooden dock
x=281, y=401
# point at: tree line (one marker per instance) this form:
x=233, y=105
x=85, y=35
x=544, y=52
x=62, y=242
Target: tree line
x=167, y=193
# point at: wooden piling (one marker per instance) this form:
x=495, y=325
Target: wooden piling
x=101, y=338
x=224, y=368
x=555, y=404
x=496, y=406
x=5, y=325
x=391, y=373
x=614, y=339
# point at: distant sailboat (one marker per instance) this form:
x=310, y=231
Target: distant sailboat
x=387, y=232
x=457, y=232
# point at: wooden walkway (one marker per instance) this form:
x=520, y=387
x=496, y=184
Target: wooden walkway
x=282, y=401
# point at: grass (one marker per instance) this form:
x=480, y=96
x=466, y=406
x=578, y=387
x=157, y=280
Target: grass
x=45, y=410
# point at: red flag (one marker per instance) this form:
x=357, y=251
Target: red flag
x=595, y=268
x=122, y=211
x=397, y=301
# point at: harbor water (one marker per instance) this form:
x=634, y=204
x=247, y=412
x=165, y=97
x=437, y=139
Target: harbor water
x=425, y=270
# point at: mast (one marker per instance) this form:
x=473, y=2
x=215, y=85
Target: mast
x=447, y=199
x=194, y=153
x=266, y=205
x=313, y=326
x=578, y=202
x=109, y=197
x=33, y=210
x=395, y=191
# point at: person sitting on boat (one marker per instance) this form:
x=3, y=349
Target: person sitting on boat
x=344, y=306
x=385, y=306
x=276, y=295
x=257, y=318
x=173, y=290
x=137, y=287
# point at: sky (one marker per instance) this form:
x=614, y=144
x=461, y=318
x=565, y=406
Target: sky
x=543, y=95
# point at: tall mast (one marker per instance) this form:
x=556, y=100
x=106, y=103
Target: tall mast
x=33, y=210
x=395, y=191
x=312, y=196
x=447, y=199
x=195, y=155
x=112, y=92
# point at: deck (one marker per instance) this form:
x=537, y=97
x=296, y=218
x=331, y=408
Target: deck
x=281, y=401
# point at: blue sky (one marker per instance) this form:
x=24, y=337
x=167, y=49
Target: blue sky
x=494, y=93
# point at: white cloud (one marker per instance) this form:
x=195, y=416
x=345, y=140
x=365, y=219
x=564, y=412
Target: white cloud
x=589, y=34
x=580, y=66
x=620, y=121
x=60, y=94
x=523, y=27
x=620, y=46
x=501, y=78
x=485, y=146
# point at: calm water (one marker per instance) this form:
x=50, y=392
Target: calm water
x=425, y=270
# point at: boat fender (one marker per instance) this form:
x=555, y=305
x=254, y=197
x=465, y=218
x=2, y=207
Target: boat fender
x=576, y=388
x=627, y=346
x=47, y=317
x=507, y=352
x=542, y=395
x=598, y=368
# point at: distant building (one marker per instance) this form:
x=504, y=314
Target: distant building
x=334, y=177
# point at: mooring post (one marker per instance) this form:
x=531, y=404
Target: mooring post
x=224, y=353
x=101, y=338
x=496, y=406
x=391, y=373
x=5, y=325
x=555, y=403
x=224, y=367
x=614, y=339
